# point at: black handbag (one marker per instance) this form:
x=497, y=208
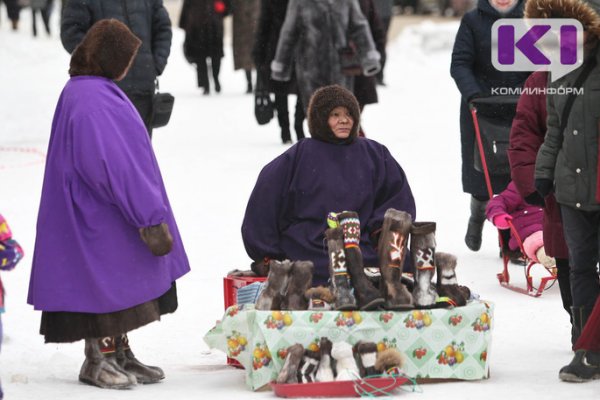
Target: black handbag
x=263, y=105
x=162, y=107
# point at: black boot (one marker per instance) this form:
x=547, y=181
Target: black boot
x=579, y=317
x=475, y=227
x=585, y=366
x=126, y=360
x=248, y=81
x=367, y=296
x=340, y=280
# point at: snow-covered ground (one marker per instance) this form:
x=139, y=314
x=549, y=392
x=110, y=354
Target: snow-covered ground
x=210, y=155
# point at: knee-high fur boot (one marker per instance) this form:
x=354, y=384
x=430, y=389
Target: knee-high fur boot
x=276, y=286
x=422, y=247
x=340, y=280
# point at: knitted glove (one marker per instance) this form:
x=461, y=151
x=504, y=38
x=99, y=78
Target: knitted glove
x=544, y=186
x=500, y=221
x=158, y=239
x=535, y=199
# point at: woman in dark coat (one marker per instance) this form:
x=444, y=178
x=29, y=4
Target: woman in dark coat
x=365, y=88
x=526, y=137
x=287, y=210
x=271, y=17
x=202, y=21
x=475, y=76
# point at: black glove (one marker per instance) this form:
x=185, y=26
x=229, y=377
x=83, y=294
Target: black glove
x=535, y=199
x=158, y=239
x=544, y=186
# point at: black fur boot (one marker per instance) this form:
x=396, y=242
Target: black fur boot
x=340, y=280
x=475, y=227
x=100, y=367
x=125, y=358
x=422, y=247
x=393, y=243
x=368, y=297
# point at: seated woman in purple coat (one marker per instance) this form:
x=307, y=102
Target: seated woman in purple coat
x=107, y=250
x=509, y=205
x=334, y=170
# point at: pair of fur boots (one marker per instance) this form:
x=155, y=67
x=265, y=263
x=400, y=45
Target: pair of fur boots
x=286, y=285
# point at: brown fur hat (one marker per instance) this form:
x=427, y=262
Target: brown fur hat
x=322, y=102
x=107, y=50
x=586, y=12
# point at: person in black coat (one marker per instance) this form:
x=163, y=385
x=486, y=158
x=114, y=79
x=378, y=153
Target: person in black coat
x=475, y=76
x=13, y=10
x=148, y=20
x=271, y=17
x=202, y=21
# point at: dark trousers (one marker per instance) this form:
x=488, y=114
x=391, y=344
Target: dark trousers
x=202, y=71
x=582, y=234
x=143, y=104
x=281, y=107
x=45, y=12
x=563, y=276
x=12, y=9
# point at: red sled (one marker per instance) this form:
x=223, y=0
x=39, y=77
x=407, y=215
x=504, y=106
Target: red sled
x=357, y=388
x=497, y=128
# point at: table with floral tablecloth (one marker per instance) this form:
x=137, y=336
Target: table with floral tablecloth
x=439, y=343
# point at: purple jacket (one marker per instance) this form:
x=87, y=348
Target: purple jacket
x=287, y=211
x=102, y=183
x=527, y=219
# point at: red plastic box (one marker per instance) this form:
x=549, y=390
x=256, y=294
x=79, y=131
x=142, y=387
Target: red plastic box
x=231, y=284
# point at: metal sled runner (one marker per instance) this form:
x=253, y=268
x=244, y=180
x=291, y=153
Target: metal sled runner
x=492, y=145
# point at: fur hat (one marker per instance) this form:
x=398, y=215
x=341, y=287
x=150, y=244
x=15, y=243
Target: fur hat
x=585, y=11
x=107, y=50
x=322, y=102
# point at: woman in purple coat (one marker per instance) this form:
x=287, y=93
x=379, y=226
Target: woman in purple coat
x=334, y=170
x=107, y=250
x=527, y=220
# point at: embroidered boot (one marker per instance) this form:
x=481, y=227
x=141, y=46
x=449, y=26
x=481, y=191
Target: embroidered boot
x=325, y=371
x=100, y=367
x=422, y=247
x=289, y=371
x=393, y=242
x=276, y=286
x=368, y=297
x=126, y=360
x=300, y=281
x=447, y=285
x=340, y=280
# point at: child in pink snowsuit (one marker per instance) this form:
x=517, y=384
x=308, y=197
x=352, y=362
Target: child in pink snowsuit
x=527, y=220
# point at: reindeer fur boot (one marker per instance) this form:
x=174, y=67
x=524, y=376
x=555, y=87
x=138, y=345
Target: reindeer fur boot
x=308, y=366
x=340, y=280
x=325, y=372
x=300, y=281
x=276, y=286
x=389, y=362
x=367, y=354
x=422, y=247
x=319, y=298
x=289, y=371
x=125, y=358
x=347, y=370
x=368, y=297
x=447, y=285
x=393, y=243
x=100, y=367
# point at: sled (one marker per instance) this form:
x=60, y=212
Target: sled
x=363, y=387
x=492, y=131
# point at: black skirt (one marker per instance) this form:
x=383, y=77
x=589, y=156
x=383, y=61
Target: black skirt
x=67, y=327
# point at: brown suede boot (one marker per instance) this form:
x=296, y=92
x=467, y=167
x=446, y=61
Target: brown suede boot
x=100, y=367
x=126, y=360
x=393, y=243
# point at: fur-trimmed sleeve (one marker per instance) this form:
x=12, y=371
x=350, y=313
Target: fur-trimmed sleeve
x=281, y=67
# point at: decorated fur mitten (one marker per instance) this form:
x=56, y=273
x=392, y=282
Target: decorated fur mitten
x=367, y=354
x=157, y=238
x=319, y=298
x=447, y=285
x=346, y=367
x=276, y=286
x=325, y=372
x=308, y=366
x=300, y=281
x=389, y=362
x=289, y=371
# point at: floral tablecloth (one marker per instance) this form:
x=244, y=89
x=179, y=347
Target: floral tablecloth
x=437, y=343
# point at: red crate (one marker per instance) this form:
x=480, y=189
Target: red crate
x=231, y=284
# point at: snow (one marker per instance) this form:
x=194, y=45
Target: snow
x=210, y=155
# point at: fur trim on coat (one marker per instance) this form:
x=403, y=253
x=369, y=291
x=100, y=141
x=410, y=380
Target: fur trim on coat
x=322, y=102
x=107, y=50
x=583, y=11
